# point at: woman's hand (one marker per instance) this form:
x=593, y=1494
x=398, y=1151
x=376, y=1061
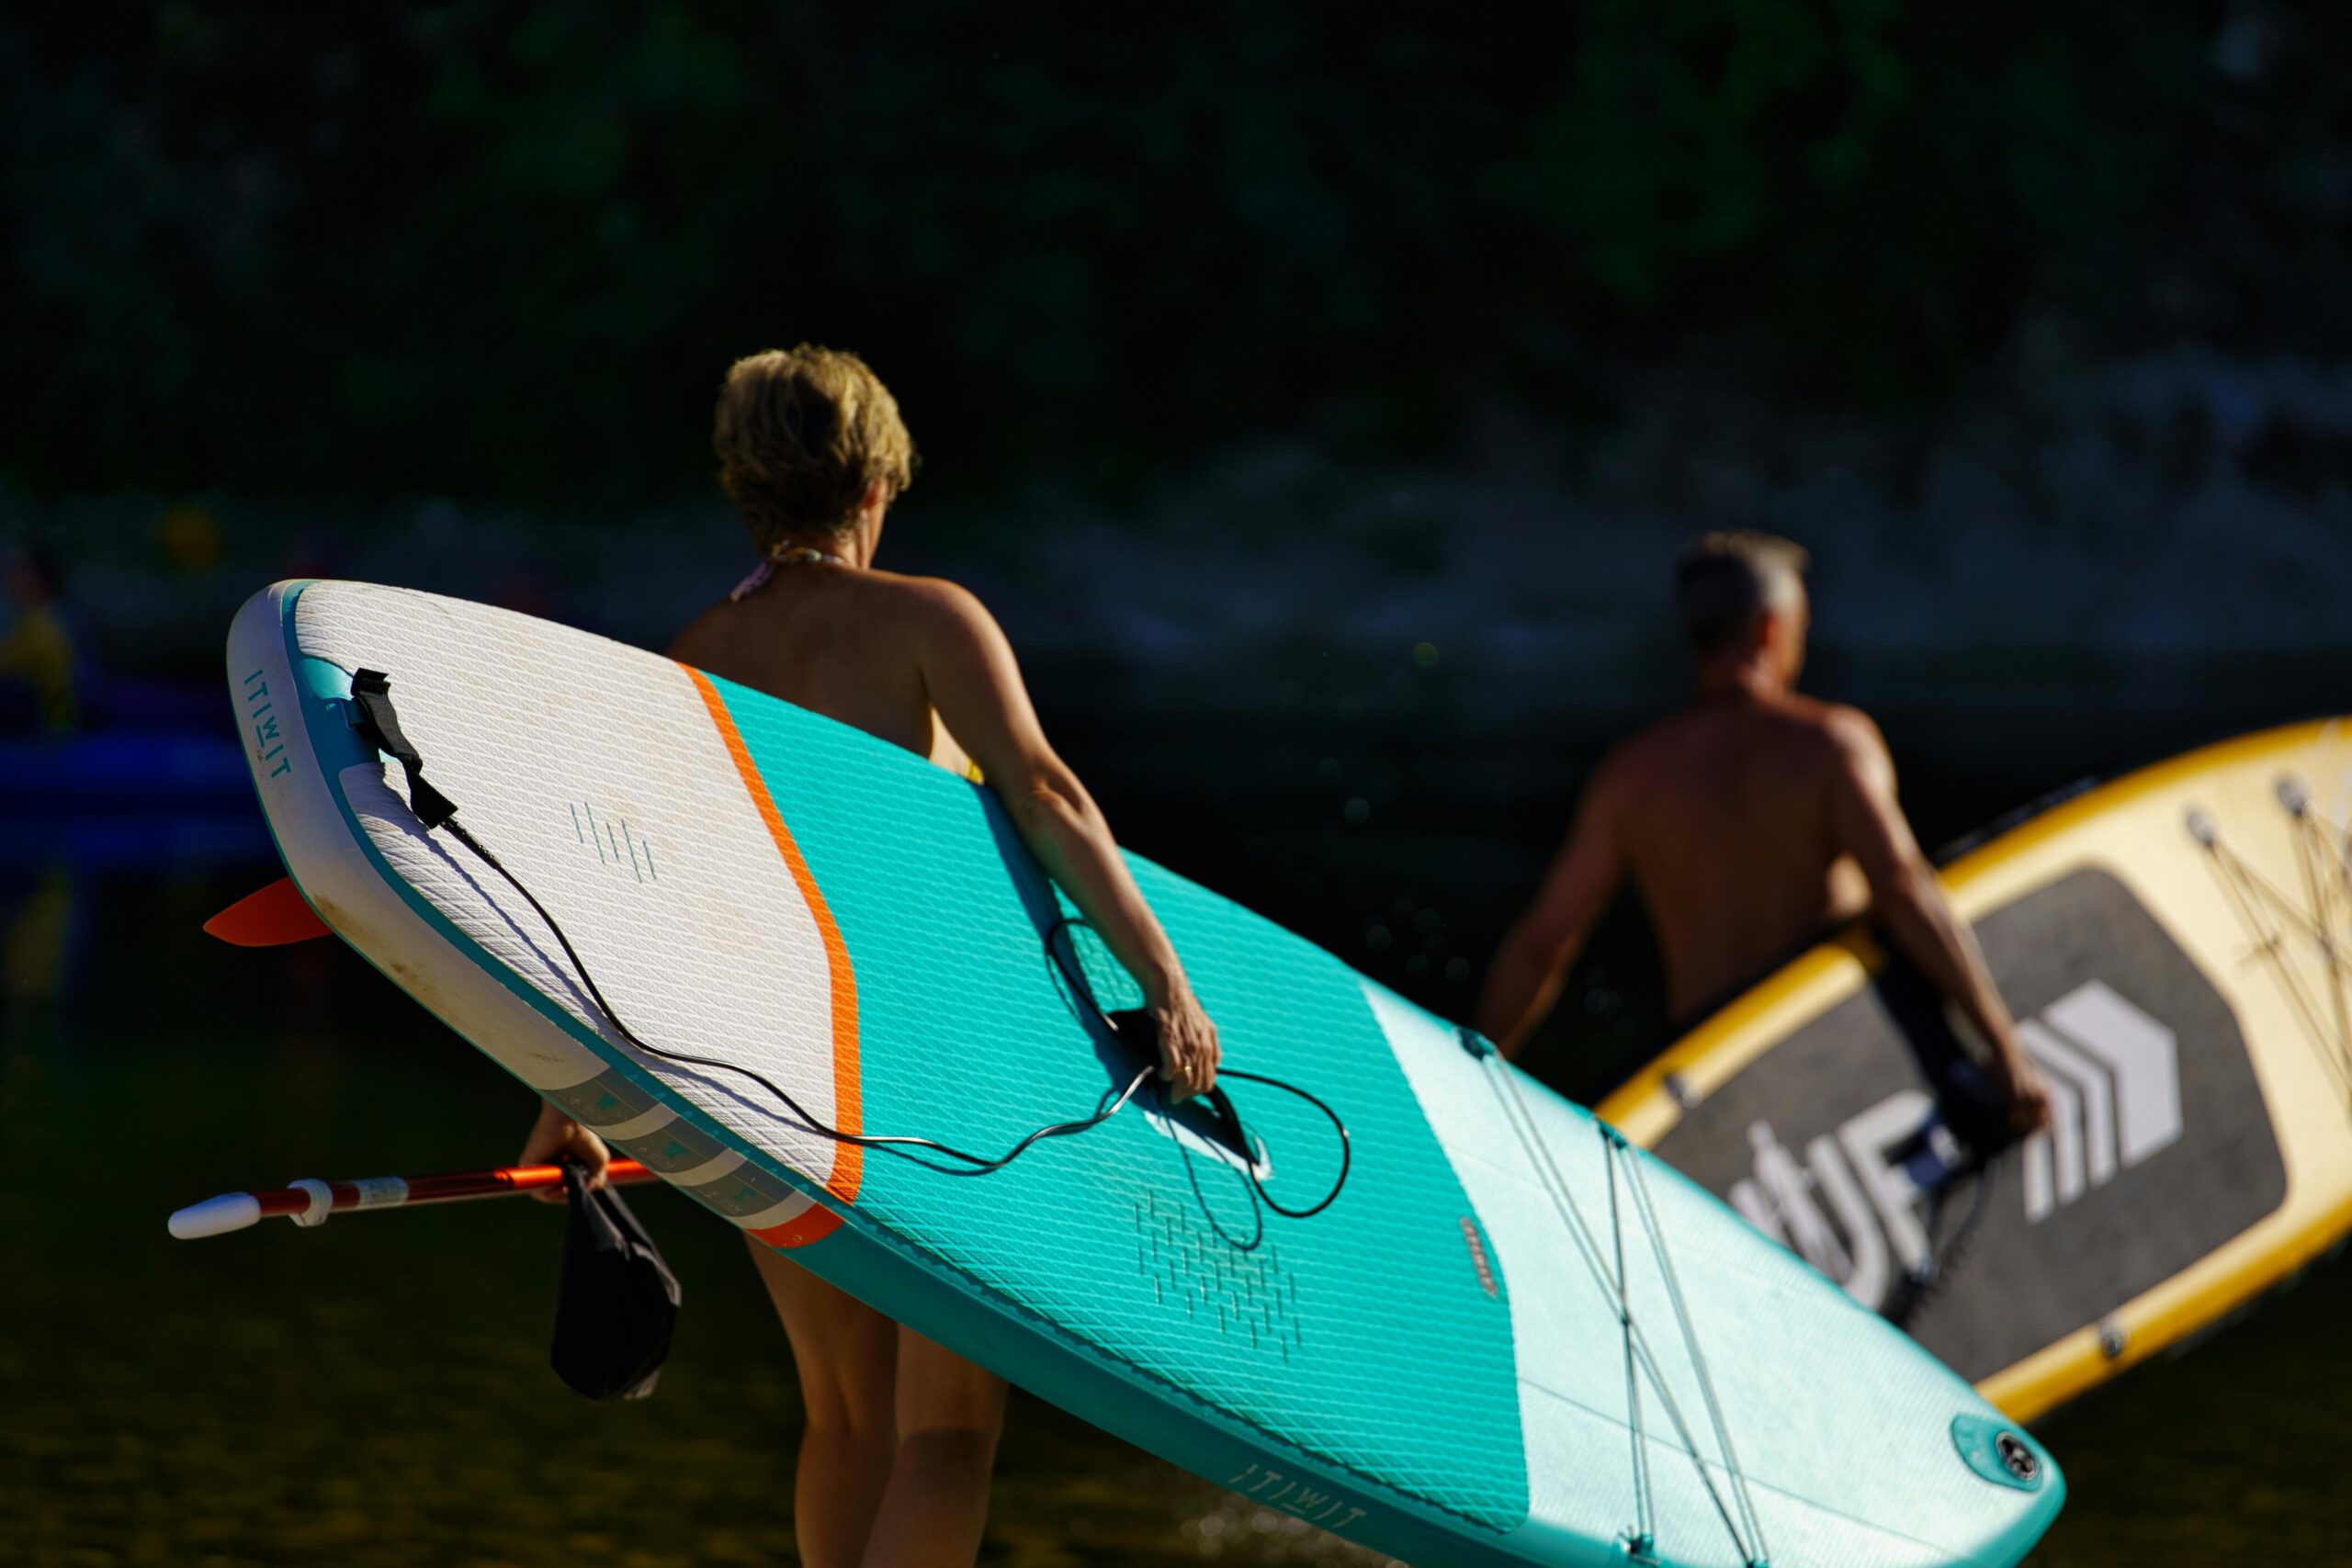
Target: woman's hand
x=555, y=1137
x=1188, y=1048
x=976, y=689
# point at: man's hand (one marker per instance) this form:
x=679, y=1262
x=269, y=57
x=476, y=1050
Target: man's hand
x=1188, y=1047
x=2029, y=1097
x=556, y=1137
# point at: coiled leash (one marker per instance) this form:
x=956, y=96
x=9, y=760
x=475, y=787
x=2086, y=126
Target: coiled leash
x=1134, y=1029
x=1962, y=1143
x=378, y=725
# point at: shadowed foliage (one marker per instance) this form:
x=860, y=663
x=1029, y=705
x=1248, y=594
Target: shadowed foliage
x=505, y=248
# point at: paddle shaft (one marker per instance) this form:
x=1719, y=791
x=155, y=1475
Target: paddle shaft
x=310, y=1202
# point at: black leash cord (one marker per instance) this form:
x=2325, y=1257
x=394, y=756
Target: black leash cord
x=379, y=724
x=859, y=1140
x=1217, y=1101
x=1347, y=1148
x=1919, y=1286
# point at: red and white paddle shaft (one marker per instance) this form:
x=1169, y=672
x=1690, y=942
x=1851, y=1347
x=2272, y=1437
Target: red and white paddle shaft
x=310, y=1202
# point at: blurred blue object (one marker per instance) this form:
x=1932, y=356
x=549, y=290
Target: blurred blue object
x=123, y=767
x=135, y=840
x=119, y=703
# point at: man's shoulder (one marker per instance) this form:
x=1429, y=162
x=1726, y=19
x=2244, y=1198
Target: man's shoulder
x=1639, y=752
x=1833, y=726
x=1841, y=725
x=1788, y=725
x=1844, y=741
x=1625, y=769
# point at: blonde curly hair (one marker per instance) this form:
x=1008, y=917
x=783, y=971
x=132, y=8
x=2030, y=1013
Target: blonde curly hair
x=800, y=437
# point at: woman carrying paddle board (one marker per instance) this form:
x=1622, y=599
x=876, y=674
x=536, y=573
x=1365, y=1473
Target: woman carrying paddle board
x=900, y=1434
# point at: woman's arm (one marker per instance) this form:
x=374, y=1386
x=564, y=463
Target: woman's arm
x=975, y=686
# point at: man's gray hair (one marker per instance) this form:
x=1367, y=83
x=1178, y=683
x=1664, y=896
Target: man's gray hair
x=1723, y=582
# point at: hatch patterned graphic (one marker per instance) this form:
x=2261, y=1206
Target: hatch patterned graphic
x=2160, y=1147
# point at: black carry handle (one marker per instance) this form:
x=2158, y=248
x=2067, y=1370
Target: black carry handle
x=1138, y=1033
x=380, y=725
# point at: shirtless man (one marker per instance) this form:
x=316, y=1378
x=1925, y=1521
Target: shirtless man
x=900, y=1434
x=1749, y=822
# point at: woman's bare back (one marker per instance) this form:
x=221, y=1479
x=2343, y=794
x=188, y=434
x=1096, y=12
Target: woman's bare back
x=834, y=640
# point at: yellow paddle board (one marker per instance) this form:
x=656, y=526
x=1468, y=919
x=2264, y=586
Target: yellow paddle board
x=2176, y=946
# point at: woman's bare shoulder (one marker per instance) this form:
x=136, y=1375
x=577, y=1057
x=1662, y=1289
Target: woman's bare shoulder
x=701, y=634
x=945, y=615
x=935, y=595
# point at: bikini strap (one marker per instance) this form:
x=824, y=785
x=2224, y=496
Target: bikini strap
x=752, y=582
x=783, y=555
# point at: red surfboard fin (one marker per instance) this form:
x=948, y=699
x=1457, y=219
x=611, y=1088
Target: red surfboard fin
x=271, y=918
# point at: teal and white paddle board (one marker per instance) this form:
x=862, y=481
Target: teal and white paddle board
x=1511, y=1339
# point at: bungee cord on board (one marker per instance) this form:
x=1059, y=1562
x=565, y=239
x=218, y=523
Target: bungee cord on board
x=2270, y=916
x=1737, y=1511
x=380, y=725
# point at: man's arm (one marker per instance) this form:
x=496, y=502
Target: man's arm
x=1525, y=983
x=1869, y=825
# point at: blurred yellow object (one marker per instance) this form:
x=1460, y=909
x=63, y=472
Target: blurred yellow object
x=191, y=535
x=33, y=941
x=2174, y=941
x=39, y=649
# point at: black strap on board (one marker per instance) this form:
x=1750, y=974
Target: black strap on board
x=380, y=727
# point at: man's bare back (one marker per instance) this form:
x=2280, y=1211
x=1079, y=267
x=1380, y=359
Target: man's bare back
x=1749, y=822
x=1725, y=816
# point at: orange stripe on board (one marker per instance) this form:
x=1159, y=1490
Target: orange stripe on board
x=848, y=1160
x=801, y=1229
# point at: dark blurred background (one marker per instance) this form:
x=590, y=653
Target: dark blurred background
x=1319, y=395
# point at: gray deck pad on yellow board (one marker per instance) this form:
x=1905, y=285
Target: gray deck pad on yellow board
x=2175, y=948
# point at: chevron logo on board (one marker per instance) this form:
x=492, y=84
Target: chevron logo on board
x=1850, y=1207
x=2114, y=1077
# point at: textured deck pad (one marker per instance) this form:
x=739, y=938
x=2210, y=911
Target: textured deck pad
x=635, y=822
x=632, y=821
x=1436, y=1362
x=1140, y=1243
x=2138, y=1191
